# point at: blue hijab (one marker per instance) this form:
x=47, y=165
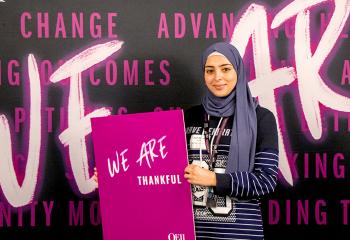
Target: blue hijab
x=238, y=103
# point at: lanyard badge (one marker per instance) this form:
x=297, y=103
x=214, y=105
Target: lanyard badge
x=212, y=151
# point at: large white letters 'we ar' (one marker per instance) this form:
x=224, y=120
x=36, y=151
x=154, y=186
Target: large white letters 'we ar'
x=79, y=126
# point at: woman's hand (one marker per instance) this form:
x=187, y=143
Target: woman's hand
x=95, y=178
x=199, y=176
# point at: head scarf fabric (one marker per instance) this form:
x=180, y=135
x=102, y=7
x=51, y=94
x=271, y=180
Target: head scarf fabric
x=239, y=103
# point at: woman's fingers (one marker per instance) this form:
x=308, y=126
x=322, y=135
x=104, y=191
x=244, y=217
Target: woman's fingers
x=190, y=172
x=199, y=176
x=95, y=177
x=188, y=169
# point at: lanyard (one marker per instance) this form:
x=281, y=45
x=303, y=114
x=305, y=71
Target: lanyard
x=211, y=200
x=212, y=148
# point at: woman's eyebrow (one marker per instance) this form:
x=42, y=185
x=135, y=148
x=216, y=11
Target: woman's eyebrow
x=222, y=65
x=226, y=64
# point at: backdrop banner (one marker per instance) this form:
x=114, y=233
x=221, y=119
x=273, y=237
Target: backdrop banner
x=63, y=62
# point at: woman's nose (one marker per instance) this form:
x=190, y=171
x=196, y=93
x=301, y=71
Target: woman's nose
x=218, y=75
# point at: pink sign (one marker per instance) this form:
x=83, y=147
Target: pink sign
x=141, y=160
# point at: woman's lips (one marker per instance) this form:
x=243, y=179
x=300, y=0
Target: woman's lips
x=219, y=87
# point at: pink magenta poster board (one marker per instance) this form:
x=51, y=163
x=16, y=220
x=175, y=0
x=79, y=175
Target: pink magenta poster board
x=141, y=160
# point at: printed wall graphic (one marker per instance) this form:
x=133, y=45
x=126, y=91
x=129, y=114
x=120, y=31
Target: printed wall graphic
x=141, y=160
x=65, y=62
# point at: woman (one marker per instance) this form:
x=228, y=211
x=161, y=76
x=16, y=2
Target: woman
x=232, y=150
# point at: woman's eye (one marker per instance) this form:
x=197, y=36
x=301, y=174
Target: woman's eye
x=209, y=71
x=226, y=69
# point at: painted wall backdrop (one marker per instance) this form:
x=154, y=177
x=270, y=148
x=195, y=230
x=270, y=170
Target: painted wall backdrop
x=63, y=62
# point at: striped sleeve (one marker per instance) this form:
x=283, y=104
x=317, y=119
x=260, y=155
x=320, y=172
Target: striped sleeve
x=262, y=180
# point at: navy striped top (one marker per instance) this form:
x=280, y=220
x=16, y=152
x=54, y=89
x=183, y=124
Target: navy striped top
x=237, y=214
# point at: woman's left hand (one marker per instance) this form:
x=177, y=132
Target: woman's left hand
x=95, y=177
x=199, y=176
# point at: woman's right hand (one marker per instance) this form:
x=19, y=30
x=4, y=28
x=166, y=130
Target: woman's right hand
x=197, y=175
x=95, y=178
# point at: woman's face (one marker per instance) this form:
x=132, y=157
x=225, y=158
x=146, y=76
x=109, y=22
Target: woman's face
x=219, y=75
